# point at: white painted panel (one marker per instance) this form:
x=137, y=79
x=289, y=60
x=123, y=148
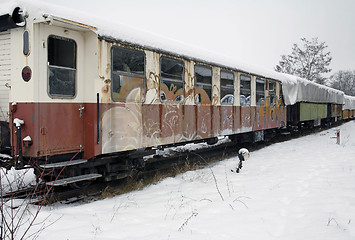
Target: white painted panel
x=5, y=74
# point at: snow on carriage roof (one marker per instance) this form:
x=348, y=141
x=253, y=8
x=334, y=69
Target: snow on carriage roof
x=295, y=89
x=349, y=103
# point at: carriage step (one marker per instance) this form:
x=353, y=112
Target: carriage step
x=63, y=164
x=286, y=133
x=65, y=181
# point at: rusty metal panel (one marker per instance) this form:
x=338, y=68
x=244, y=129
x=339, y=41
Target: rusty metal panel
x=171, y=122
x=246, y=119
x=55, y=128
x=227, y=120
x=189, y=124
x=259, y=118
x=216, y=120
x=25, y=112
x=62, y=127
x=92, y=147
x=203, y=121
x=151, y=124
x=237, y=120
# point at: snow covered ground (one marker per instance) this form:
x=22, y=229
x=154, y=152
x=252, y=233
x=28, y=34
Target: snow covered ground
x=300, y=189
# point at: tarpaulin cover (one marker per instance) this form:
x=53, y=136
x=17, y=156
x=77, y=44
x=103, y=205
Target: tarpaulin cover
x=296, y=89
x=349, y=102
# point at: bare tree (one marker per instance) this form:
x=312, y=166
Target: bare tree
x=18, y=213
x=309, y=62
x=344, y=81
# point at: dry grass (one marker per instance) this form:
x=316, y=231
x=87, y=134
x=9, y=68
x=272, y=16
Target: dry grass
x=142, y=180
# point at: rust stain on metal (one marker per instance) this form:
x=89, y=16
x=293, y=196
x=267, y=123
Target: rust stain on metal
x=75, y=23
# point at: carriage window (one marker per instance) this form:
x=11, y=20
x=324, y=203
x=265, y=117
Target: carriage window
x=245, y=90
x=61, y=67
x=172, y=79
x=127, y=71
x=227, y=88
x=260, y=91
x=281, y=97
x=272, y=92
x=203, y=84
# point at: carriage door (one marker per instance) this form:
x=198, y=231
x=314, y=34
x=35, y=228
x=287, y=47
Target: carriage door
x=61, y=107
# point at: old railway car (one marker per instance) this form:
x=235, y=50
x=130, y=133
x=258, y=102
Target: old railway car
x=349, y=108
x=94, y=97
x=83, y=99
x=311, y=104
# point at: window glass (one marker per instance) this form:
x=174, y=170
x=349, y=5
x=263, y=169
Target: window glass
x=172, y=79
x=127, y=71
x=203, y=84
x=245, y=90
x=61, y=66
x=272, y=92
x=260, y=91
x=227, y=88
x=281, y=98
x=26, y=43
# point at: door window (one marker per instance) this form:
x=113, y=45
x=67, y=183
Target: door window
x=61, y=67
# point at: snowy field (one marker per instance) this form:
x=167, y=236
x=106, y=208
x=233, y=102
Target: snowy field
x=300, y=189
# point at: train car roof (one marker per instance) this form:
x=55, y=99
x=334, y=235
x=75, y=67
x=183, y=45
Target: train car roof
x=297, y=89
x=294, y=88
x=349, y=103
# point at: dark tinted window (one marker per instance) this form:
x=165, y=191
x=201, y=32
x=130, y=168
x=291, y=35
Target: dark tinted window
x=245, y=90
x=172, y=79
x=26, y=43
x=127, y=74
x=281, y=99
x=203, y=84
x=227, y=88
x=61, y=66
x=127, y=60
x=272, y=92
x=61, y=52
x=260, y=90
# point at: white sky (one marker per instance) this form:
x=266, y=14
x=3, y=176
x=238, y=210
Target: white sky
x=256, y=32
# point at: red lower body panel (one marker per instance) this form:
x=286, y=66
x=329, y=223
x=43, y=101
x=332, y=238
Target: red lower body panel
x=60, y=128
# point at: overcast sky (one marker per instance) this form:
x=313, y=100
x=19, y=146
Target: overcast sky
x=255, y=32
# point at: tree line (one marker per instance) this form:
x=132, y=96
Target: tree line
x=311, y=61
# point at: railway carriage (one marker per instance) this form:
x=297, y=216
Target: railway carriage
x=311, y=104
x=77, y=95
x=348, y=107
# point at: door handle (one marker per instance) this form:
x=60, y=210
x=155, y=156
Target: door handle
x=81, y=108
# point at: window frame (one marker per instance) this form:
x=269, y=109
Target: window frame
x=256, y=90
x=230, y=88
x=203, y=84
x=275, y=95
x=62, y=96
x=172, y=79
x=128, y=74
x=250, y=89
